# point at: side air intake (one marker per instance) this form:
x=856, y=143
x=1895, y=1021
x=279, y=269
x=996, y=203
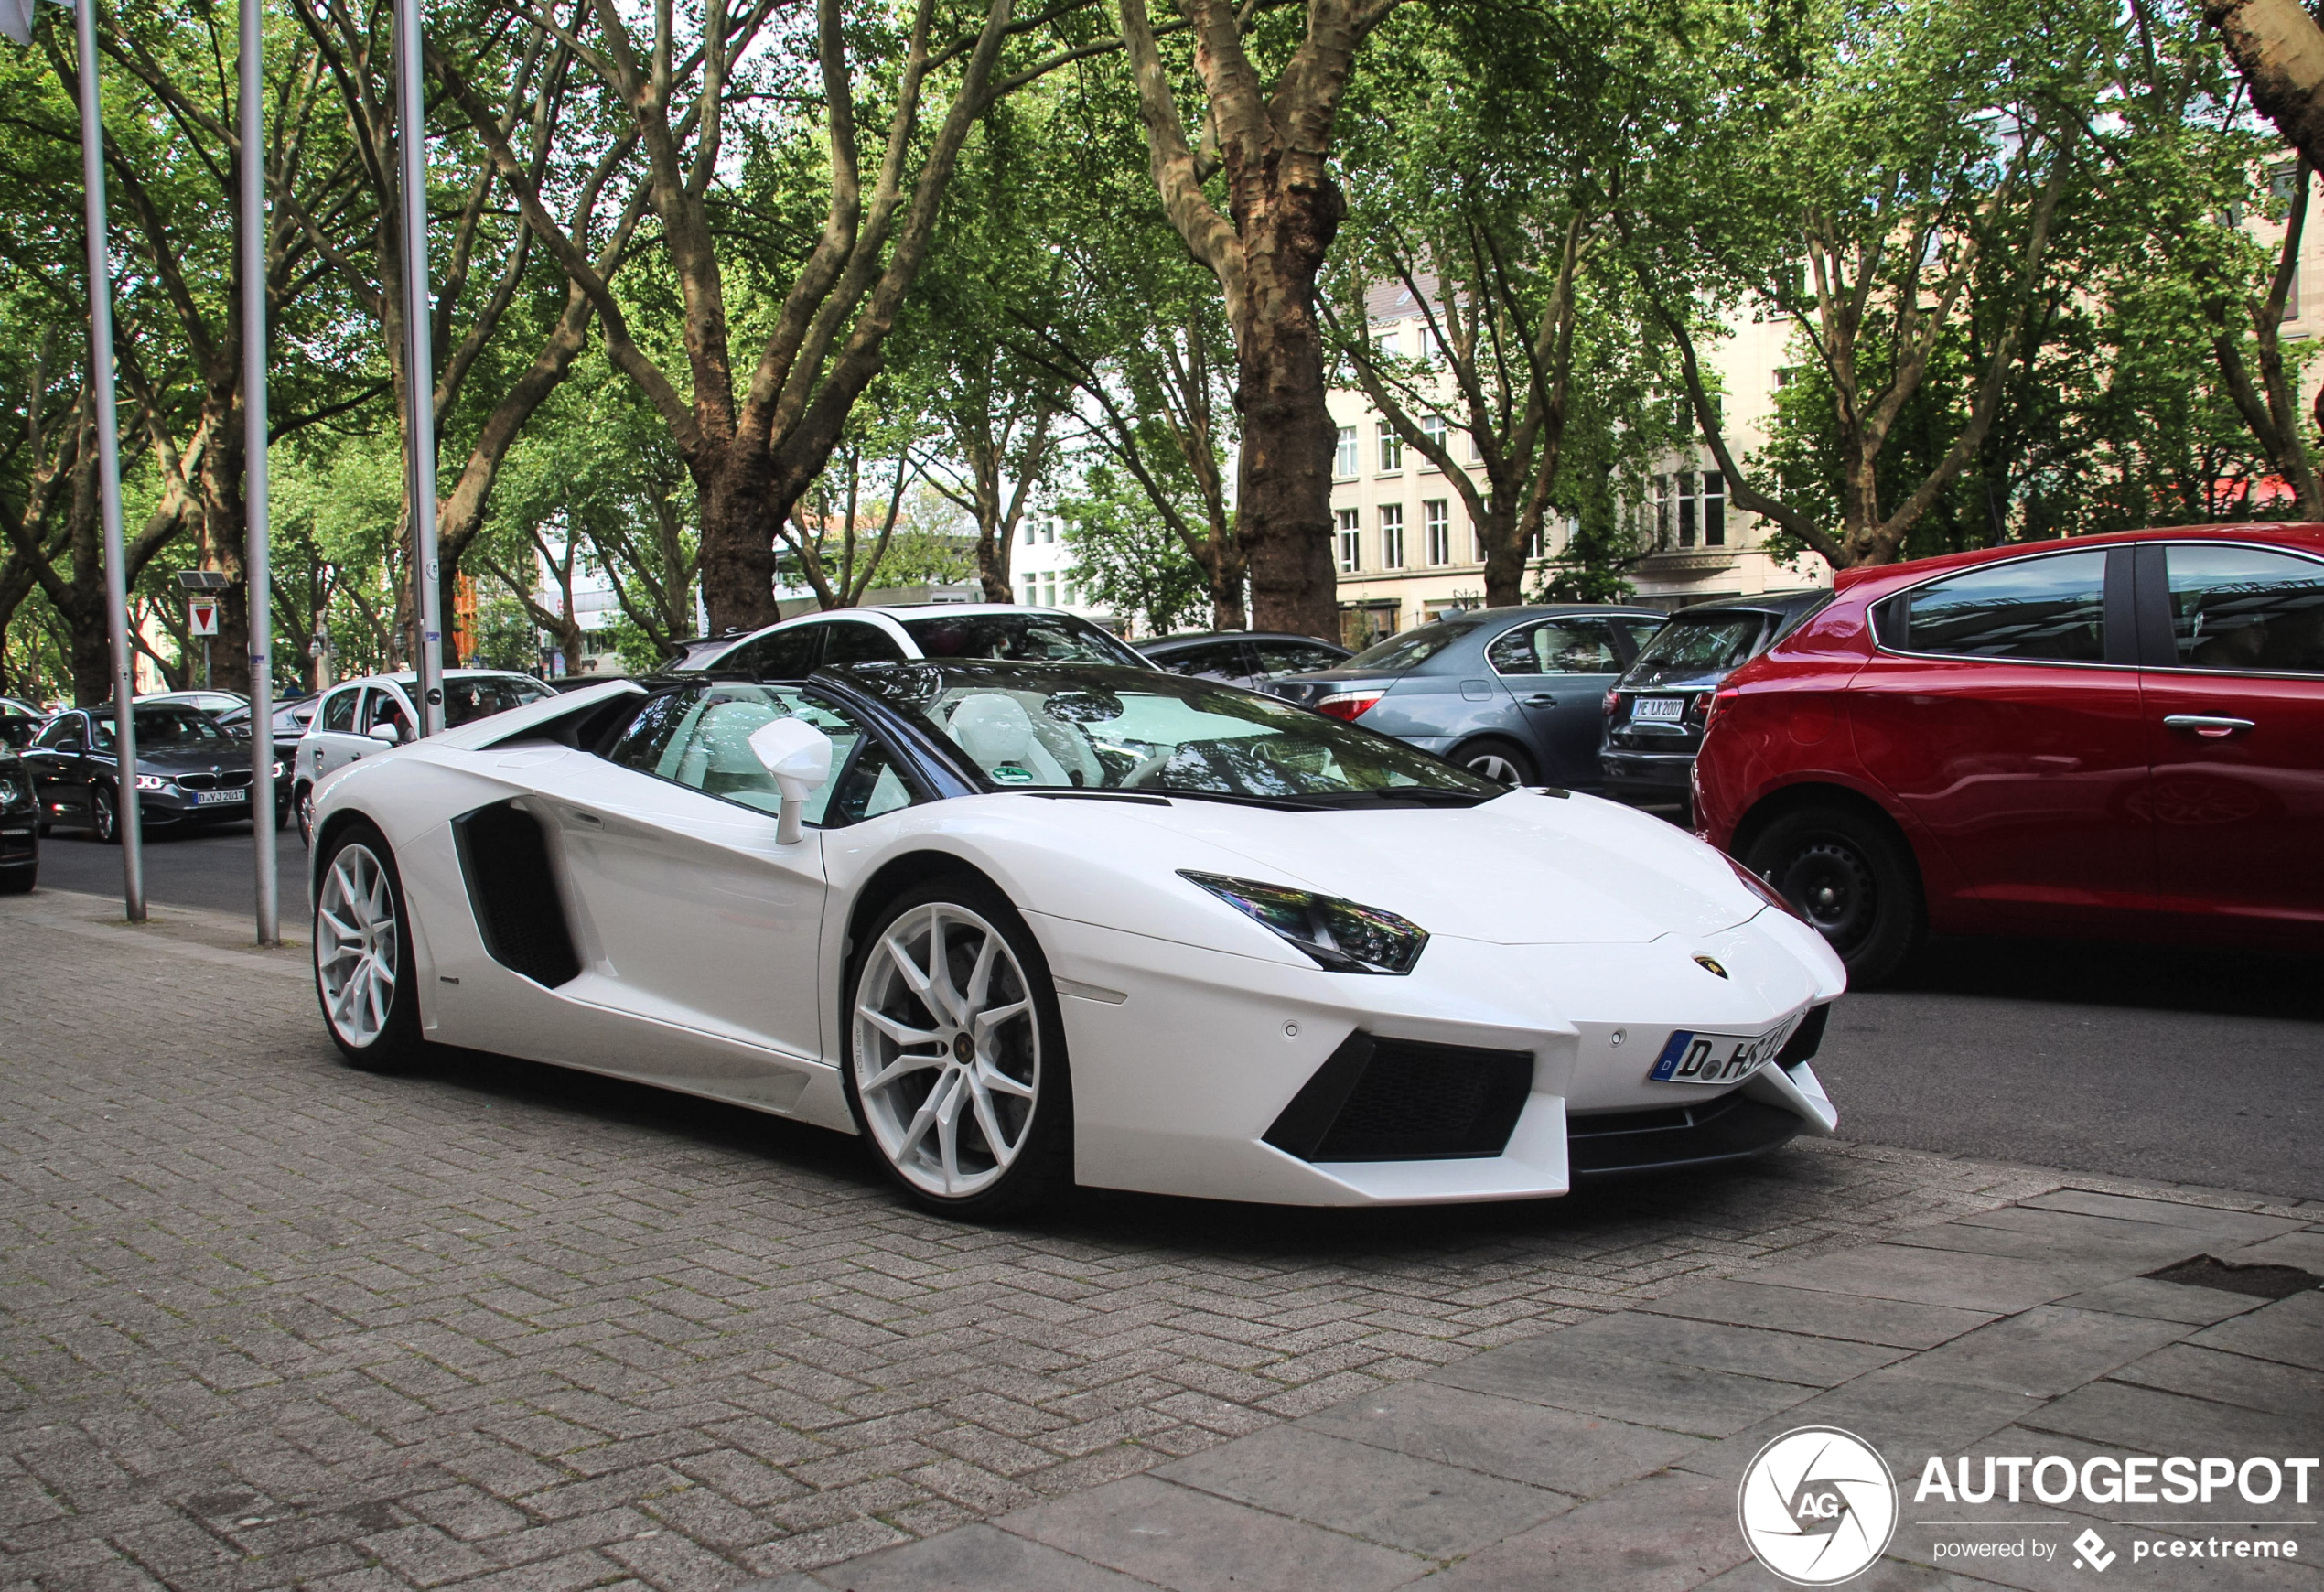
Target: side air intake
x=1399, y=1100
x=512, y=889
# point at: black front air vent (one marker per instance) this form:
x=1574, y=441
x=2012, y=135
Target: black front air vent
x=1398, y=1100
x=512, y=889
x=1805, y=1039
x=1730, y=1127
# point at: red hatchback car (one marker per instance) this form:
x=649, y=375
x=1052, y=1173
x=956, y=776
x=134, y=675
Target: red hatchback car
x=2115, y=737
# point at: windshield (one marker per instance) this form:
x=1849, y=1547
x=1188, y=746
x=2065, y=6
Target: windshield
x=466, y=701
x=1119, y=729
x=1020, y=638
x=1692, y=649
x=168, y=726
x=1408, y=651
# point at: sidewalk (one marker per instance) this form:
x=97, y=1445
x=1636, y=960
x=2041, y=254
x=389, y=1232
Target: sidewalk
x=1608, y=1453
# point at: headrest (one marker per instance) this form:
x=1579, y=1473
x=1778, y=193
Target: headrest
x=992, y=729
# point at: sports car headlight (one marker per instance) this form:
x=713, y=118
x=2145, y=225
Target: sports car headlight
x=151, y=782
x=1343, y=936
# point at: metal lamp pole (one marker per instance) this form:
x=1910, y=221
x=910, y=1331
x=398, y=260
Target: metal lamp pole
x=124, y=661
x=257, y=558
x=419, y=372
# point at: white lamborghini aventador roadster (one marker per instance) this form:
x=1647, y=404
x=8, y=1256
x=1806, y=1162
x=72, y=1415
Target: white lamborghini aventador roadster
x=1023, y=924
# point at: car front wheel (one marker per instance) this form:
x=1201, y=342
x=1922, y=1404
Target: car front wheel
x=104, y=819
x=1853, y=879
x=956, y=1066
x=364, y=973
x=303, y=804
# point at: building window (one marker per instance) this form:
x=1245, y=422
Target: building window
x=1343, y=458
x=1072, y=597
x=1392, y=535
x=1432, y=426
x=1351, y=533
x=1032, y=531
x=1032, y=594
x=1658, y=509
x=1686, y=504
x=1392, y=449
x=1714, y=509
x=1435, y=518
x=1048, y=591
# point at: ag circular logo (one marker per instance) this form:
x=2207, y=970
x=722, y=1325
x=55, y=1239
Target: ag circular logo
x=1817, y=1506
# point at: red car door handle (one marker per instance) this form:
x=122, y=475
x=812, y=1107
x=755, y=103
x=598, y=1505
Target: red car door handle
x=2209, y=726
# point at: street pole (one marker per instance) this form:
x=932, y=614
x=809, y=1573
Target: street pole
x=419, y=363
x=257, y=559
x=100, y=378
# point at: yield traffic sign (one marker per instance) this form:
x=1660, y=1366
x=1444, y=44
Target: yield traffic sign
x=203, y=615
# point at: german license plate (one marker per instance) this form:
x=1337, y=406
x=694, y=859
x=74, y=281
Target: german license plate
x=219, y=798
x=1694, y=1058
x=1669, y=709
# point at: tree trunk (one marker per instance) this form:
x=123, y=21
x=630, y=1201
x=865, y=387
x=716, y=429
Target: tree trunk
x=732, y=489
x=2279, y=49
x=1504, y=559
x=1283, y=503
x=1228, y=569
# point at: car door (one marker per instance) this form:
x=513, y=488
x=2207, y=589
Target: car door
x=382, y=705
x=2001, y=708
x=1557, y=670
x=685, y=902
x=334, y=739
x=59, y=762
x=2233, y=703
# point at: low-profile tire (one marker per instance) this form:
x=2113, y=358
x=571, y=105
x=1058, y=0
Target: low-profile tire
x=104, y=818
x=1854, y=879
x=365, y=979
x=303, y=808
x=954, y=1063
x=1505, y=761
x=20, y=881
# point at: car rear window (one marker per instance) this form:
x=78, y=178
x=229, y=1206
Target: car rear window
x=1692, y=648
x=1408, y=651
x=1019, y=639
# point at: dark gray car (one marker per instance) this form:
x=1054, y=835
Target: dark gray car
x=1514, y=694
x=1656, y=712
x=1253, y=659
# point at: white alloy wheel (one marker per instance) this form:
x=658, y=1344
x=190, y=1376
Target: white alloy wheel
x=947, y=1052
x=357, y=946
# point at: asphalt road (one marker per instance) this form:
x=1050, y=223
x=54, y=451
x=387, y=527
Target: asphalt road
x=2187, y=1066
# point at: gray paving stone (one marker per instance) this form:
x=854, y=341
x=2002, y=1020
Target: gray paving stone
x=1718, y=1345
x=1379, y=1494
x=1959, y=1279
x=1679, y=1398
x=2162, y=1301
x=2232, y=1379
x=1193, y=1542
x=1665, y=1533
x=2032, y=1233
x=2149, y=1421
x=1578, y=1454
x=1819, y=1312
x=2287, y=1330
x=1898, y=1415
x=1891, y=1575
x=2304, y=1249
x=2044, y=1351
x=973, y=1558
x=2248, y=1226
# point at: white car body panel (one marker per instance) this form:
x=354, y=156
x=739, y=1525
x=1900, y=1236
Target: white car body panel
x=712, y=957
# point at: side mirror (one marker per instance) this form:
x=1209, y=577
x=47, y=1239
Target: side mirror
x=386, y=734
x=798, y=756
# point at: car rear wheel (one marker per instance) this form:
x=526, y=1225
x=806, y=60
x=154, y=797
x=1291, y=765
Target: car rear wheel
x=20, y=881
x=955, y=1066
x=364, y=975
x=1501, y=760
x=303, y=804
x=1853, y=879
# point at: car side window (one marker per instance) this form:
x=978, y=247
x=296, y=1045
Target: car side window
x=1292, y=657
x=854, y=641
x=700, y=737
x=1557, y=646
x=339, y=710
x=780, y=655
x=2050, y=609
x=2246, y=608
x=65, y=732
x=1211, y=658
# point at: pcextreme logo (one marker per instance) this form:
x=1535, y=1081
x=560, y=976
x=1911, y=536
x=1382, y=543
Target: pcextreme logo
x=1817, y=1506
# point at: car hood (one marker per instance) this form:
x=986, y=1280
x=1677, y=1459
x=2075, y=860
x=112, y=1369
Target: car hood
x=227, y=756
x=1523, y=870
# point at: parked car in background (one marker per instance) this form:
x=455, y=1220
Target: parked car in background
x=19, y=826
x=2115, y=737
x=1516, y=695
x=19, y=722
x=1655, y=713
x=1252, y=659
x=290, y=720
x=189, y=771
x=377, y=711
x=796, y=647
x=207, y=701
